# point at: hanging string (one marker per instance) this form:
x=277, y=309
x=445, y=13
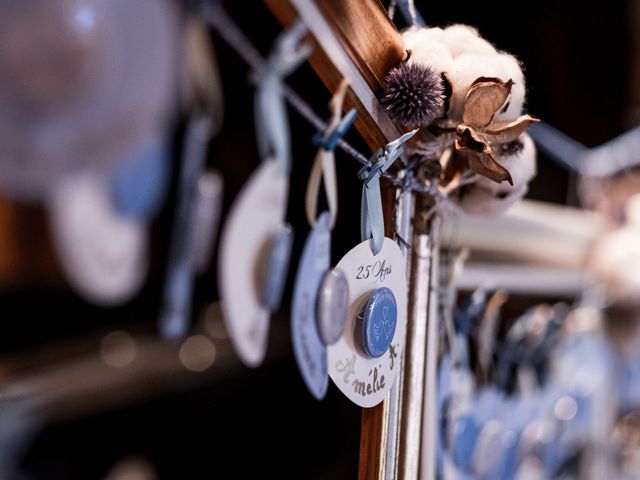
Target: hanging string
x=227, y=29
x=371, y=216
x=324, y=166
x=272, y=120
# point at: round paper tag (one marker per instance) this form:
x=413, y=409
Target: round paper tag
x=254, y=219
x=102, y=253
x=363, y=379
x=310, y=351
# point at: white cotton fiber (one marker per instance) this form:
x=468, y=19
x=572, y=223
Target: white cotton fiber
x=463, y=39
x=420, y=37
x=465, y=70
x=512, y=71
x=482, y=202
x=459, y=52
x=463, y=56
x=486, y=197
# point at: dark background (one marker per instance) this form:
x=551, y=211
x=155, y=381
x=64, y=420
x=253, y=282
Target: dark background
x=262, y=423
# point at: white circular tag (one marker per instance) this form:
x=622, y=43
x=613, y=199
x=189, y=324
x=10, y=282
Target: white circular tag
x=363, y=379
x=255, y=217
x=309, y=350
x=103, y=254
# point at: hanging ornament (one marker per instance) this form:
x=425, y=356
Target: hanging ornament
x=320, y=294
x=256, y=243
x=364, y=363
x=103, y=254
x=199, y=192
x=467, y=98
x=83, y=83
x=139, y=186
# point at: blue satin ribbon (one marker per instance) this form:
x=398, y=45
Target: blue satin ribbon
x=271, y=117
x=139, y=186
x=178, y=290
x=410, y=13
x=371, y=217
x=329, y=141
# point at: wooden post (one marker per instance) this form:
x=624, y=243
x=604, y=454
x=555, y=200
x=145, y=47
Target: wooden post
x=356, y=39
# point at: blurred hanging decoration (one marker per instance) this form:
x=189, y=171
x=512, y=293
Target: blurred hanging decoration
x=615, y=259
x=320, y=294
x=467, y=98
x=365, y=361
x=86, y=90
x=255, y=245
x=608, y=175
x=203, y=92
x=554, y=393
x=199, y=191
x=83, y=84
x=139, y=185
x=108, y=166
x=103, y=254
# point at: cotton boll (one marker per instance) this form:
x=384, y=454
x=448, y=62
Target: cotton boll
x=522, y=164
x=427, y=48
x=416, y=37
x=483, y=202
x=465, y=70
x=513, y=71
x=433, y=55
x=463, y=39
x=488, y=198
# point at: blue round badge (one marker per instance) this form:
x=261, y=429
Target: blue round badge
x=379, y=318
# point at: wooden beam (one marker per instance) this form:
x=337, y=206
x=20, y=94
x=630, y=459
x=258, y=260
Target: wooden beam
x=353, y=39
x=26, y=253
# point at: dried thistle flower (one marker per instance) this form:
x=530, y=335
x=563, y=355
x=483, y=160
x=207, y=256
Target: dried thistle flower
x=413, y=95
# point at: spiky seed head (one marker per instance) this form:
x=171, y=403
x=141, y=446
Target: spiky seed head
x=413, y=95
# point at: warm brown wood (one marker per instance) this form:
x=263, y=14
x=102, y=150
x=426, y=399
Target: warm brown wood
x=373, y=45
x=9, y=268
x=373, y=434
x=371, y=41
x=26, y=253
x=368, y=35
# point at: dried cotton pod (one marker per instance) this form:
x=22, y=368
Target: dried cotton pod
x=512, y=70
x=486, y=197
x=464, y=93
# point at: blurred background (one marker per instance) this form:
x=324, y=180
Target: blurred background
x=80, y=363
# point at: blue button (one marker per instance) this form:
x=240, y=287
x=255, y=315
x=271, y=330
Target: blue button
x=379, y=317
x=466, y=435
x=139, y=186
x=274, y=267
